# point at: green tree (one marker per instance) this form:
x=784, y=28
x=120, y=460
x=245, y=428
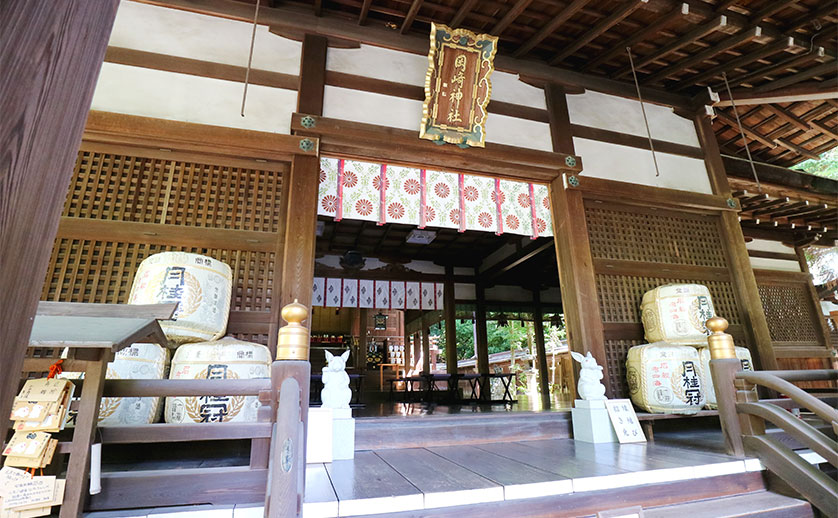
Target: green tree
x=827, y=166
x=500, y=338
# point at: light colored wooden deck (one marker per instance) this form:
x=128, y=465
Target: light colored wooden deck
x=412, y=479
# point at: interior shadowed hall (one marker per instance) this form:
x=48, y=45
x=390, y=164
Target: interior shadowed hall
x=419, y=258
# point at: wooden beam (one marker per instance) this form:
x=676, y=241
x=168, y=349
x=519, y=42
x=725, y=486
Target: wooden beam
x=511, y=15
x=461, y=13
x=609, y=21
x=573, y=250
x=827, y=68
x=550, y=27
x=746, y=291
x=410, y=16
x=296, y=18
x=56, y=52
x=788, y=117
x=733, y=64
x=511, y=262
x=731, y=121
x=677, y=13
x=318, y=7
x=450, y=315
x=773, y=70
x=365, y=11
x=700, y=57
x=688, y=38
x=831, y=132
x=797, y=149
x=541, y=351
x=803, y=92
x=195, y=67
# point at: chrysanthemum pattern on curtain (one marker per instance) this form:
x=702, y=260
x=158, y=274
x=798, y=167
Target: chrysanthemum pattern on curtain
x=426, y=198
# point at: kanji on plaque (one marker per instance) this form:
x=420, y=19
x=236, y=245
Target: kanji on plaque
x=457, y=86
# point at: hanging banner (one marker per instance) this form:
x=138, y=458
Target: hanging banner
x=446, y=200
x=355, y=293
x=457, y=86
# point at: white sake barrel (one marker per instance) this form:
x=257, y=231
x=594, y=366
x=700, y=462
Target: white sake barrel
x=200, y=285
x=665, y=378
x=136, y=362
x=676, y=313
x=744, y=356
x=227, y=358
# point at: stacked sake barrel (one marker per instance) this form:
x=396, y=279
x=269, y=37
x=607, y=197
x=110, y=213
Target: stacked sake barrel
x=136, y=362
x=202, y=288
x=744, y=356
x=665, y=376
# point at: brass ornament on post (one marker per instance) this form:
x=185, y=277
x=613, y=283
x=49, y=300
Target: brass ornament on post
x=294, y=339
x=721, y=343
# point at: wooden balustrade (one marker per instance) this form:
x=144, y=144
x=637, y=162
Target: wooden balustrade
x=743, y=416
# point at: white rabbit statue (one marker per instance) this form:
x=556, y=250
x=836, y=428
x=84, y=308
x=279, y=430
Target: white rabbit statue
x=589, y=386
x=336, y=392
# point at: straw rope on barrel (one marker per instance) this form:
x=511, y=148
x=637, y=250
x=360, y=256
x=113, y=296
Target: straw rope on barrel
x=665, y=378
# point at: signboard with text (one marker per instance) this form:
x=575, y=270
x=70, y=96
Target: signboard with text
x=457, y=86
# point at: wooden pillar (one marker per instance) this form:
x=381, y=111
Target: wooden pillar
x=450, y=315
x=406, y=351
x=481, y=334
x=573, y=250
x=742, y=275
x=426, y=343
x=51, y=53
x=363, y=316
x=300, y=189
x=541, y=350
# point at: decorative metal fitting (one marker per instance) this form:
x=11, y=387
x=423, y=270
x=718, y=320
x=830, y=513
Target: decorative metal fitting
x=573, y=180
x=308, y=121
x=307, y=144
x=570, y=161
x=731, y=203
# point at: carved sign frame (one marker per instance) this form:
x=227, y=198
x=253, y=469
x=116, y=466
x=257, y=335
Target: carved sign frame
x=457, y=86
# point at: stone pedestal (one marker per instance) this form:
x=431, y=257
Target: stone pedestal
x=320, y=435
x=591, y=422
x=343, y=434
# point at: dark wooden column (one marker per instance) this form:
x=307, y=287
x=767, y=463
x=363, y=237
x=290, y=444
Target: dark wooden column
x=481, y=333
x=450, y=315
x=50, y=54
x=406, y=352
x=426, y=344
x=573, y=250
x=300, y=188
x=742, y=274
x=541, y=349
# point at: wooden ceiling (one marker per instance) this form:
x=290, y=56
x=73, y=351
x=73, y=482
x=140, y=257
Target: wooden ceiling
x=778, y=55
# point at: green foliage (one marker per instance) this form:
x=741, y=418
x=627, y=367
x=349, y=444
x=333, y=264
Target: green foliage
x=826, y=167
x=823, y=263
x=500, y=338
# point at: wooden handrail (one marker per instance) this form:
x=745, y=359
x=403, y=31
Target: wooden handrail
x=768, y=379
x=802, y=375
x=186, y=387
x=809, y=481
x=801, y=430
x=283, y=497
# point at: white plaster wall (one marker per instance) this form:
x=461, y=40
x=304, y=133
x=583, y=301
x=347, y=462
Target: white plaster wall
x=628, y=164
x=196, y=36
x=379, y=63
x=764, y=245
x=614, y=113
x=507, y=88
x=372, y=108
x=501, y=129
x=181, y=97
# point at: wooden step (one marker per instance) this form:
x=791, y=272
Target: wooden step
x=379, y=433
x=762, y=504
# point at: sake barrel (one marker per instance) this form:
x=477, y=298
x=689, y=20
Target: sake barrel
x=227, y=358
x=676, y=313
x=200, y=285
x=744, y=356
x=665, y=378
x=136, y=362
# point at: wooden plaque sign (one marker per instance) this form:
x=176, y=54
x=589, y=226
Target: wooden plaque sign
x=457, y=86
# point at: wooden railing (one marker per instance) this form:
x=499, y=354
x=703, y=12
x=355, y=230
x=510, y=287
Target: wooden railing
x=743, y=416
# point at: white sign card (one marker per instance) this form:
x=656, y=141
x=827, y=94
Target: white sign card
x=624, y=420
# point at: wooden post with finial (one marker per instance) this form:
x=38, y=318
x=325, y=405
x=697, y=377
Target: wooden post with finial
x=290, y=378
x=723, y=368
